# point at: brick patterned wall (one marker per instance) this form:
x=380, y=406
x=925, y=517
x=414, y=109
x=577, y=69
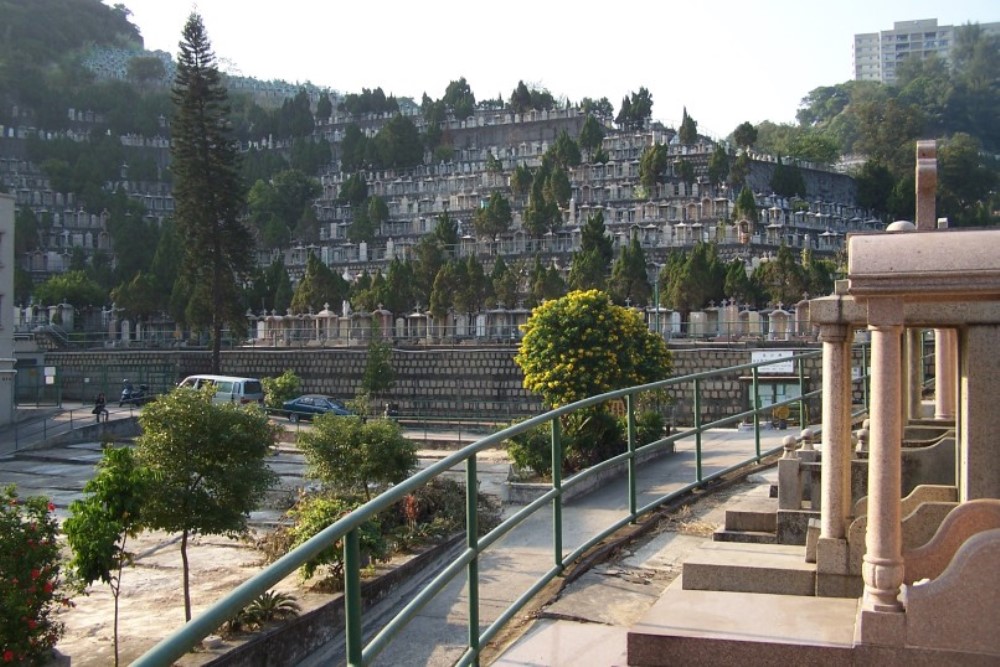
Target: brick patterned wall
x=452, y=382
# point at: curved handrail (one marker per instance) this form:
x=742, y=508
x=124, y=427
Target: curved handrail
x=176, y=645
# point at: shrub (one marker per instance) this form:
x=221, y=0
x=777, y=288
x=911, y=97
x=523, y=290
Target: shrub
x=316, y=512
x=29, y=579
x=582, y=345
x=354, y=455
x=280, y=389
x=648, y=427
x=532, y=450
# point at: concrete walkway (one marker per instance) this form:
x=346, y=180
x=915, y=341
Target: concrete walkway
x=438, y=634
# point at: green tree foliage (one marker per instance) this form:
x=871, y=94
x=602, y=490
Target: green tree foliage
x=689, y=281
x=324, y=107
x=459, y=98
x=745, y=135
x=72, y=287
x=875, y=184
x=208, y=192
x=966, y=182
x=505, y=284
x=352, y=455
x=783, y=278
x=398, y=144
x=652, y=166
x=545, y=283
x=635, y=111
x=493, y=219
x=398, y=296
x=319, y=286
x=352, y=148
x=368, y=220
x=524, y=99
x=718, y=166
x=591, y=264
x=140, y=298
x=582, y=344
x=446, y=283
x=379, y=376
x=738, y=285
x=685, y=170
x=688, y=132
x=295, y=118
x=277, y=206
x=565, y=152
x=101, y=523
x=353, y=191
x=368, y=101
x=207, y=467
x=549, y=186
x=629, y=283
x=601, y=108
x=591, y=136
x=520, y=180
x=279, y=389
x=746, y=206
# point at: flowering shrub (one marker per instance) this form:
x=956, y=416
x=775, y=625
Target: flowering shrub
x=29, y=579
x=582, y=344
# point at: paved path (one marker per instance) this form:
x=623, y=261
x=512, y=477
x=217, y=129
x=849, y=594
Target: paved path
x=437, y=635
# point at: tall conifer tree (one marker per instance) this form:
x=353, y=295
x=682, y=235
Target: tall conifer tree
x=209, y=195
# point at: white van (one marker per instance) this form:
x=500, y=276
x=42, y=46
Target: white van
x=228, y=389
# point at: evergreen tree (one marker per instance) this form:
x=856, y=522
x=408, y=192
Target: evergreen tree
x=689, y=129
x=629, y=284
x=589, y=266
x=208, y=193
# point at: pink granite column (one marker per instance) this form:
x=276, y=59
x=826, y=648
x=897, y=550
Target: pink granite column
x=914, y=374
x=882, y=569
x=945, y=373
x=836, y=478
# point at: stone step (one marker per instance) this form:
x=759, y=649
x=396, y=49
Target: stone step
x=727, y=628
x=744, y=536
x=750, y=568
x=753, y=514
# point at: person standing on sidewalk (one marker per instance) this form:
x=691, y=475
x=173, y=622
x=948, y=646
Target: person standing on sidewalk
x=100, y=406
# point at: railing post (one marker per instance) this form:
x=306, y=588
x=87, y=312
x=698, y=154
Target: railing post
x=472, y=542
x=803, y=409
x=755, y=388
x=557, y=484
x=697, y=429
x=352, y=597
x=630, y=411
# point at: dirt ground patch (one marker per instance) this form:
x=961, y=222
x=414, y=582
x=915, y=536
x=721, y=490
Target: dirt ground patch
x=152, y=598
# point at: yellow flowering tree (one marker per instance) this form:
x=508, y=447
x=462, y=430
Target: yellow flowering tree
x=582, y=344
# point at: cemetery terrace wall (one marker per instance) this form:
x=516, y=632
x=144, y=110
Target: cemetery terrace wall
x=453, y=382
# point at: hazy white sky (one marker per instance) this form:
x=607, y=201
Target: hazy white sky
x=727, y=61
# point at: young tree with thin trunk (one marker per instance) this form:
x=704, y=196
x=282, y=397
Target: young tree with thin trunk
x=209, y=195
x=207, y=467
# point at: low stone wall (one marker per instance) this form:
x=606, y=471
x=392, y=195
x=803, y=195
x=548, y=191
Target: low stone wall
x=454, y=382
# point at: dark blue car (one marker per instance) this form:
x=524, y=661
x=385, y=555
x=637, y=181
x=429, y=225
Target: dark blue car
x=309, y=405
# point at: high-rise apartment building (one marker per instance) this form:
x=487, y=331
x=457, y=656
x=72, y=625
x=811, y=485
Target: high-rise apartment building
x=877, y=54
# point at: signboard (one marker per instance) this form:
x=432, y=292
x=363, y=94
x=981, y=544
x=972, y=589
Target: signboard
x=777, y=368
x=50, y=375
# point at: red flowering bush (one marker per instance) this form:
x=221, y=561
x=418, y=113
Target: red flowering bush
x=29, y=579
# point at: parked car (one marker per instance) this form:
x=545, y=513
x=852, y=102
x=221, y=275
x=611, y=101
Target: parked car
x=228, y=389
x=309, y=405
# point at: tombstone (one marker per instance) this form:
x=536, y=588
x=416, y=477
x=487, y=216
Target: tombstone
x=730, y=319
x=778, y=324
x=697, y=324
x=754, y=324
x=675, y=322
x=363, y=251
x=126, y=329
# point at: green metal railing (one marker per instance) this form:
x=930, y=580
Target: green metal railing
x=359, y=653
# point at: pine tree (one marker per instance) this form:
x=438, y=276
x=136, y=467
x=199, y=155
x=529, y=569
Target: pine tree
x=209, y=195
